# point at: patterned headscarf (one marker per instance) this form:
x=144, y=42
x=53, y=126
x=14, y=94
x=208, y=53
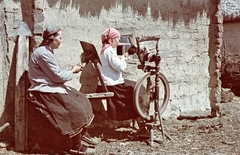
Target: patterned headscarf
x=107, y=35
x=49, y=34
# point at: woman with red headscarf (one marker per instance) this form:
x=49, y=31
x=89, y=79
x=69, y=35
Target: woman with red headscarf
x=121, y=106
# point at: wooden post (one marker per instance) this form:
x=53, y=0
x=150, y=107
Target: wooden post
x=214, y=52
x=22, y=56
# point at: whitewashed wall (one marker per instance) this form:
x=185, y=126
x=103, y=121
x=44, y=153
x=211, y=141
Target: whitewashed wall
x=183, y=45
x=184, y=49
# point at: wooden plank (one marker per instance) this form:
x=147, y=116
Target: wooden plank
x=22, y=55
x=100, y=95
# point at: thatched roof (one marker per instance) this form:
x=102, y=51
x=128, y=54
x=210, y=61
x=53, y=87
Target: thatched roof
x=230, y=10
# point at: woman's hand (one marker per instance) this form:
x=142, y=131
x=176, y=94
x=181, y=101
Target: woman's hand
x=77, y=68
x=124, y=56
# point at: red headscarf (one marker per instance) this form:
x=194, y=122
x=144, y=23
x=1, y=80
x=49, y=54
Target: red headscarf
x=106, y=37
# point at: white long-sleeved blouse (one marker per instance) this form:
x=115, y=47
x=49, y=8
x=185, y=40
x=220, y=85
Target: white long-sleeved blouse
x=112, y=67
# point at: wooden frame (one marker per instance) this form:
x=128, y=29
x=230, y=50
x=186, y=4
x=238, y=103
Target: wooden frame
x=90, y=55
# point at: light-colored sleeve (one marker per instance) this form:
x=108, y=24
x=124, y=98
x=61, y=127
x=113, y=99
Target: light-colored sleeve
x=115, y=62
x=50, y=67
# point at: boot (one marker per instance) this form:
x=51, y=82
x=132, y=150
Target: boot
x=87, y=138
x=78, y=148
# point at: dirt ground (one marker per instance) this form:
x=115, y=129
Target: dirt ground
x=208, y=136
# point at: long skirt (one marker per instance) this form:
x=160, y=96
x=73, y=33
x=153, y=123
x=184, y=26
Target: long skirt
x=121, y=106
x=69, y=113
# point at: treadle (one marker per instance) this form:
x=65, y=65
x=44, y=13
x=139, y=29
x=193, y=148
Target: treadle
x=99, y=95
x=150, y=141
x=152, y=124
x=157, y=140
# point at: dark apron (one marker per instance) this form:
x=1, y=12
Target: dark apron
x=68, y=113
x=120, y=106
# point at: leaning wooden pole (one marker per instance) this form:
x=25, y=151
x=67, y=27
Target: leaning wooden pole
x=215, y=43
x=22, y=56
x=20, y=93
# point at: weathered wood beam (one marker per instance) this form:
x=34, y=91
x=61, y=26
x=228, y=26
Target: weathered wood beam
x=20, y=93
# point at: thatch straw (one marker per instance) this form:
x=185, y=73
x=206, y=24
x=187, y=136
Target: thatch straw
x=230, y=10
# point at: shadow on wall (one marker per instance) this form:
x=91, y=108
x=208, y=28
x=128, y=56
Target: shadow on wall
x=172, y=11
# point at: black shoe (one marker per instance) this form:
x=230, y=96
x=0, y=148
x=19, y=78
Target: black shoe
x=89, y=140
x=84, y=150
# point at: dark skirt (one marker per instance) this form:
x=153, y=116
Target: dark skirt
x=120, y=106
x=69, y=113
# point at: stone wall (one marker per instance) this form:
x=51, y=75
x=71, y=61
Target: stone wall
x=231, y=46
x=184, y=45
x=230, y=53
x=231, y=11
x=231, y=38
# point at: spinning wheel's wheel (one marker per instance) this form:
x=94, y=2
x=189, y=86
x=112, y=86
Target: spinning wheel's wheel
x=145, y=95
